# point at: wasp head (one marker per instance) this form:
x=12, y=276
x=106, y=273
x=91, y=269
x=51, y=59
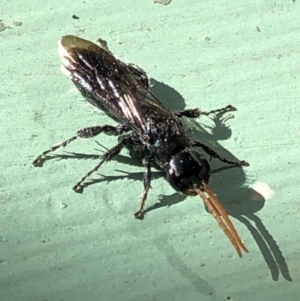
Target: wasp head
x=188, y=172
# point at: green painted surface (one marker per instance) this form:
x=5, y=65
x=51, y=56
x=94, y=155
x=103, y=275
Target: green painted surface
x=58, y=245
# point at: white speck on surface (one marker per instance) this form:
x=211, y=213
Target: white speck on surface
x=262, y=189
x=63, y=205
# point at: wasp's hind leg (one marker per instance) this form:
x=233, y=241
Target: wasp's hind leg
x=195, y=113
x=84, y=133
x=219, y=112
x=192, y=113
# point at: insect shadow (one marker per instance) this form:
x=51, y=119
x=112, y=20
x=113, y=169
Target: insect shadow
x=228, y=181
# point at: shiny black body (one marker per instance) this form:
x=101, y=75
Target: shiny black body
x=146, y=127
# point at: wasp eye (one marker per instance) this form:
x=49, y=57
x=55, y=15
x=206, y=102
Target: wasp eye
x=186, y=170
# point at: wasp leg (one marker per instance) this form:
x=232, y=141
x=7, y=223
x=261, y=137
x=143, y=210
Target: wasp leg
x=195, y=113
x=147, y=182
x=191, y=113
x=109, y=155
x=214, y=154
x=221, y=111
x=84, y=133
x=140, y=75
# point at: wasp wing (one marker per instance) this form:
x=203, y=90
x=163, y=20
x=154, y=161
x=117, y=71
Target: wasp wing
x=119, y=89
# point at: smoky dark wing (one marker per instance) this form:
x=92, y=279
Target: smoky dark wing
x=116, y=88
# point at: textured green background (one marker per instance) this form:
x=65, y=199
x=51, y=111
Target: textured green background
x=58, y=245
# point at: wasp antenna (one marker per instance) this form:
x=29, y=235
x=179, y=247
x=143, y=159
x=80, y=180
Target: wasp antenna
x=219, y=213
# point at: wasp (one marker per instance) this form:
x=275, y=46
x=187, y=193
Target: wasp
x=146, y=127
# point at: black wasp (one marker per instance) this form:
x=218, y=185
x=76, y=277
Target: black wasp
x=145, y=126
